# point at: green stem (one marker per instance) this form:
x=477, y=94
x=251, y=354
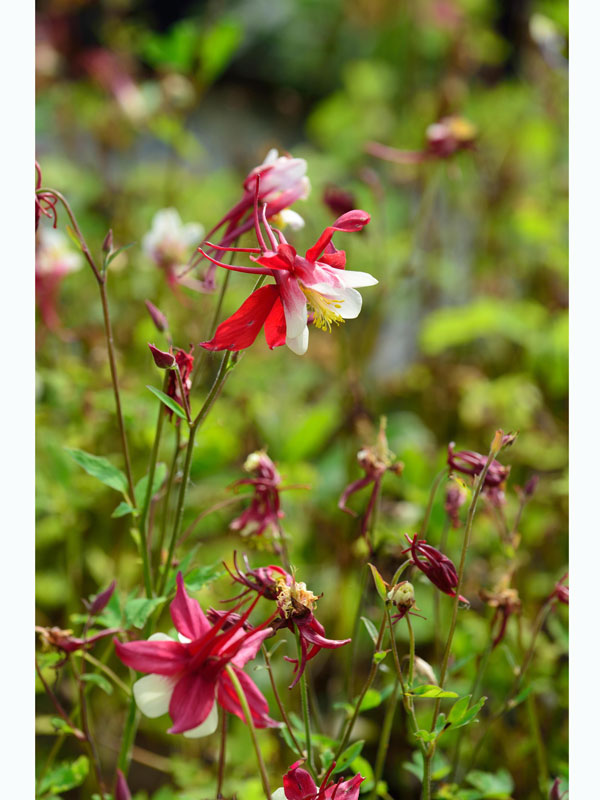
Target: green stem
x=426, y=791
x=384, y=741
x=411, y=652
x=222, y=751
x=406, y=700
x=248, y=717
x=108, y=671
x=305, y=709
x=165, y=508
x=282, y=711
x=366, y=687
x=540, y=750
x=432, y=493
x=148, y=497
x=461, y=572
x=129, y=731
x=436, y=597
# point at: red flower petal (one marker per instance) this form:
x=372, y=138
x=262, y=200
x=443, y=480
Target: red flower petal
x=191, y=702
x=348, y=223
x=186, y=613
x=241, y=329
x=275, y=327
x=161, y=658
x=298, y=784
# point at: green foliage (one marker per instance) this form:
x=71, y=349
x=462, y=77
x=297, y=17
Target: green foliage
x=139, y=609
x=63, y=777
x=100, y=468
x=168, y=401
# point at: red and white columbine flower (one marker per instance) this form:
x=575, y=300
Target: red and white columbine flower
x=264, y=511
x=168, y=242
x=298, y=784
x=317, y=282
x=187, y=678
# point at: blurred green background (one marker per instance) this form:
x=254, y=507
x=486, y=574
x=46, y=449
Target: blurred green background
x=147, y=105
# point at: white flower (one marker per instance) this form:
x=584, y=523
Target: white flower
x=169, y=240
x=54, y=255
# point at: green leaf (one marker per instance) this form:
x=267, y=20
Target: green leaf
x=160, y=473
x=348, y=756
x=202, y=576
x=523, y=694
x=98, y=680
x=61, y=726
x=495, y=786
x=459, y=709
x=429, y=690
x=380, y=655
x=100, y=468
x=169, y=402
x=65, y=776
x=371, y=629
x=218, y=46
x=138, y=609
x=380, y=584
x=122, y=510
x=116, y=252
x=425, y=735
x=470, y=715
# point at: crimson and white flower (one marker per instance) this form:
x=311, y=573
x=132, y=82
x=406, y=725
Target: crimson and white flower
x=187, y=678
x=54, y=259
x=298, y=784
x=168, y=242
x=316, y=283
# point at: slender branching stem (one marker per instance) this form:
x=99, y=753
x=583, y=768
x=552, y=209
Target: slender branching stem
x=361, y=697
x=248, y=717
x=305, y=709
x=434, y=487
x=167, y=497
x=280, y=705
x=384, y=740
x=85, y=724
x=222, y=751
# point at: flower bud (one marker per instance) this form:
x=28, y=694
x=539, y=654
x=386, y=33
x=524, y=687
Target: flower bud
x=158, y=318
x=107, y=244
x=402, y=595
x=101, y=600
x=162, y=359
x=531, y=485
x=121, y=789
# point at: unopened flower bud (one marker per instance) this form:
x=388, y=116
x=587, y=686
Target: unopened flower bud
x=121, y=788
x=162, y=359
x=101, y=600
x=531, y=485
x=107, y=244
x=158, y=318
x=402, y=595
x=555, y=793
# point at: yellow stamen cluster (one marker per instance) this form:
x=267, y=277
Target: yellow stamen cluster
x=290, y=597
x=324, y=308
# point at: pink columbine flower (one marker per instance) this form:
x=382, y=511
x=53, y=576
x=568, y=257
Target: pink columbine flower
x=471, y=463
x=187, y=678
x=265, y=509
x=456, y=496
x=169, y=241
x=295, y=604
x=298, y=784
x=435, y=565
x=54, y=259
x=506, y=602
x=45, y=203
x=443, y=139
x=316, y=282
x=375, y=461
x=561, y=592
x=281, y=181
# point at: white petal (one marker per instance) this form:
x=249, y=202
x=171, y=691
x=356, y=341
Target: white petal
x=292, y=218
x=278, y=794
x=207, y=727
x=192, y=233
x=183, y=639
x=298, y=344
x=271, y=156
x=153, y=693
x=160, y=637
x=355, y=279
x=350, y=300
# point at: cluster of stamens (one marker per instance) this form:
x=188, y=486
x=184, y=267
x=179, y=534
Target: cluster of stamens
x=323, y=309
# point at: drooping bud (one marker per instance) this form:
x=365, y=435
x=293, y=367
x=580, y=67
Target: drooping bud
x=338, y=200
x=158, y=318
x=162, y=359
x=555, y=793
x=107, y=244
x=531, y=485
x=402, y=595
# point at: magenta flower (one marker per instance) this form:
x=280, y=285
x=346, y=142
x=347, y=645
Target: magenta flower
x=506, y=602
x=442, y=139
x=65, y=641
x=456, y=497
x=187, y=678
x=295, y=604
x=561, y=592
x=471, y=463
x=435, y=565
x=265, y=508
x=299, y=785
x=316, y=282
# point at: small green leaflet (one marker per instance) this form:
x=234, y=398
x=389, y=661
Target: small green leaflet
x=100, y=468
x=164, y=398
x=348, y=756
x=116, y=252
x=65, y=776
x=122, y=510
x=138, y=609
x=379, y=583
x=98, y=680
x=429, y=690
x=202, y=576
x=371, y=629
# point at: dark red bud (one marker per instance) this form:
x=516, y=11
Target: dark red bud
x=158, y=318
x=101, y=600
x=107, y=244
x=531, y=485
x=162, y=359
x=121, y=789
